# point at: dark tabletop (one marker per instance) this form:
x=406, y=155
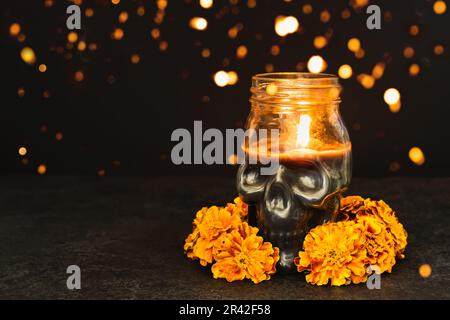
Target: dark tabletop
x=127, y=234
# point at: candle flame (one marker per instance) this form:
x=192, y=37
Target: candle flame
x=303, y=130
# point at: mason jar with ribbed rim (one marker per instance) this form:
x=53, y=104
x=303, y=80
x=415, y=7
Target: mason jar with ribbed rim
x=313, y=154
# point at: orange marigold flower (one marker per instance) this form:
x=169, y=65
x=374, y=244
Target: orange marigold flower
x=355, y=207
x=379, y=243
x=334, y=252
x=241, y=254
x=240, y=207
x=209, y=224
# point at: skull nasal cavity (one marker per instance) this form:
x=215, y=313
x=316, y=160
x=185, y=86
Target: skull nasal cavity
x=278, y=199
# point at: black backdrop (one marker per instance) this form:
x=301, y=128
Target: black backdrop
x=118, y=120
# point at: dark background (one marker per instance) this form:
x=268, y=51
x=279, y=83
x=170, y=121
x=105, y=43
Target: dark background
x=119, y=119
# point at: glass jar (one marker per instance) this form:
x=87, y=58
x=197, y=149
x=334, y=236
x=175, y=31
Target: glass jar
x=313, y=153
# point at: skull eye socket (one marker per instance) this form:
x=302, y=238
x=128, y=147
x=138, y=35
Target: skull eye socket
x=311, y=182
x=250, y=182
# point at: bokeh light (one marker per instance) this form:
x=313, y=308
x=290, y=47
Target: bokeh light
x=241, y=52
x=221, y=78
x=320, y=42
x=206, y=4
x=118, y=34
x=42, y=68
x=23, y=151
x=42, y=169
x=14, y=29
x=417, y=156
x=286, y=25
x=391, y=96
x=72, y=37
x=27, y=54
x=316, y=64
x=345, y=71
x=366, y=80
x=353, y=44
x=439, y=7
x=198, y=23
x=414, y=70
x=425, y=270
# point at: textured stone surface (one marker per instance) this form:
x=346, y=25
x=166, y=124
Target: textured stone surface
x=126, y=234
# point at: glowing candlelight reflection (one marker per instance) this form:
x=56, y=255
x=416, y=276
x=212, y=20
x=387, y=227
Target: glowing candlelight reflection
x=303, y=131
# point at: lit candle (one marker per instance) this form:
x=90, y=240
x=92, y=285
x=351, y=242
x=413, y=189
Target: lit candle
x=313, y=152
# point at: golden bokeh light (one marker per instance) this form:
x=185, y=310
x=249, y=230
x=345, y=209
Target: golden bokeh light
x=345, y=71
x=378, y=70
x=221, y=78
x=155, y=33
x=395, y=108
x=325, y=16
x=425, y=270
x=89, y=12
x=345, y=14
x=438, y=49
x=161, y=4
x=232, y=78
x=353, y=44
x=23, y=151
x=79, y=76
x=206, y=4
x=233, y=32
x=81, y=46
x=307, y=8
x=286, y=25
x=275, y=50
x=42, y=169
x=135, y=58
x=440, y=7
x=269, y=67
x=241, y=52
x=140, y=11
x=42, y=68
x=206, y=53
x=251, y=4
x=163, y=45
x=320, y=42
x=72, y=37
x=408, y=52
x=414, y=30
x=360, y=53
x=417, y=156
x=316, y=64
x=27, y=54
x=414, y=70
x=115, y=1
x=358, y=4
x=14, y=29
x=198, y=23
x=123, y=17
x=117, y=34
x=366, y=80
x=391, y=96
